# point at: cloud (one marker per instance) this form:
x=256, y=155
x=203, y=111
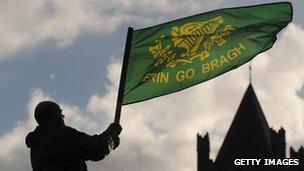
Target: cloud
x=42, y=21
x=25, y=25
x=282, y=78
x=52, y=76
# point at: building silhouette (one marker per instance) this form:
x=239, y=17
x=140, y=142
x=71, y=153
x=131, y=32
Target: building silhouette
x=249, y=137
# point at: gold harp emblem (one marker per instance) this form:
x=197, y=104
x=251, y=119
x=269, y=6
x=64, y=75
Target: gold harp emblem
x=192, y=40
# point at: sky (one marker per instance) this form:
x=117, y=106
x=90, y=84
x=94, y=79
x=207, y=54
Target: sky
x=71, y=52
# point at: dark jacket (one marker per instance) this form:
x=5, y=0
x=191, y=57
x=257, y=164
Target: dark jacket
x=65, y=149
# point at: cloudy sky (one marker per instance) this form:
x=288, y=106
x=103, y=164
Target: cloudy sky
x=71, y=51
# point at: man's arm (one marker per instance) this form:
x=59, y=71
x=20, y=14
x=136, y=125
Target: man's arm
x=96, y=147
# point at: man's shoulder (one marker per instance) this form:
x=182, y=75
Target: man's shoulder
x=67, y=132
x=66, y=129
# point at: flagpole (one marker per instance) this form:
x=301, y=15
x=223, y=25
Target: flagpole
x=123, y=75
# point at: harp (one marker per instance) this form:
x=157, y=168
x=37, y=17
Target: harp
x=190, y=35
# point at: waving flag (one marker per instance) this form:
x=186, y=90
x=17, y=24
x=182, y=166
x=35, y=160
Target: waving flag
x=178, y=54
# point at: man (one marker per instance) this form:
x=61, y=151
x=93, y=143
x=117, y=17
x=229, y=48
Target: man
x=56, y=147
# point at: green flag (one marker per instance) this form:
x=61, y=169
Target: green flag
x=178, y=54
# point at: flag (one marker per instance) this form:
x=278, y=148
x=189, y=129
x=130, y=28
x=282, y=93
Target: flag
x=172, y=56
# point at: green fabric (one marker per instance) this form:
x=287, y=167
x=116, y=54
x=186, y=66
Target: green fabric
x=178, y=54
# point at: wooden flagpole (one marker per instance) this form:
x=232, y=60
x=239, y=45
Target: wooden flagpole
x=123, y=75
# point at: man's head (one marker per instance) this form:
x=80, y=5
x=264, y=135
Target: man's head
x=48, y=113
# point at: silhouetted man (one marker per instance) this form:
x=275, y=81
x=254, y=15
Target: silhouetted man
x=56, y=147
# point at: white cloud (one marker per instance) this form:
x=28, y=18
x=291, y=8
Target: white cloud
x=52, y=76
x=24, y=25
x=279, y=82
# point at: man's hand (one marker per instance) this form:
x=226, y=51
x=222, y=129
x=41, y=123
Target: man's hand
x=113, y=130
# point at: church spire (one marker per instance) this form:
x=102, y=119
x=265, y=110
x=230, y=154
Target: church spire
x=248, y=135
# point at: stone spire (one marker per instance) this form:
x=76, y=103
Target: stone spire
x=248, y=135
